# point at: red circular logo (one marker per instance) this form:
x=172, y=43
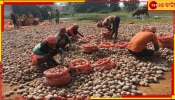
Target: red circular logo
x=153, y=4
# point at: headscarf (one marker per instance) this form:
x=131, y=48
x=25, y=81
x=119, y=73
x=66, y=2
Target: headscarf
x=50, y=39
x=62, y=29
x=75, y=25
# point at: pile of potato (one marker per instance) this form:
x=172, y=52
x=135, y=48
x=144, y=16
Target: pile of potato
x=123, y=79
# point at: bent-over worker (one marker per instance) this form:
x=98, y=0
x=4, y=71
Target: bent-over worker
x=73, y=32
x=112, y=24
x=45, y=51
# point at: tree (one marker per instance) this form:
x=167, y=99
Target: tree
x=114, y=5
x=144, y=6
x=101, y=6
x=131, y=4
x=80, y=7
x=96, y=7
x=110, y=5
x=88, y=7
x=43, y=10
x=24, y=9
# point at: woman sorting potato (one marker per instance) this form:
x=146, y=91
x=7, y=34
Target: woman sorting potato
x=45, y=51
x=63, y=39
x=73, y=32
x=112, y=24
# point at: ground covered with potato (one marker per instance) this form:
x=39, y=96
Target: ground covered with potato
x=128, y=74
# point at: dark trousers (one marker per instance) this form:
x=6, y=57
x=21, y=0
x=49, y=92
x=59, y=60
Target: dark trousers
x=145, y=52
x=115, y=28
x=48, y=58
x=15, y=23
x=49, y=18
x=63, y=45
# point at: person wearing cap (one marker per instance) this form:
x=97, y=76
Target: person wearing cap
x=73, y=32
x=14, y=18
x=111, y=23
x=137, y=45
x=45, y=51
x=63, y=38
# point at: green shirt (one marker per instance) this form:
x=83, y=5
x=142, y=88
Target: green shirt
x=43, y=49
x=36, y=49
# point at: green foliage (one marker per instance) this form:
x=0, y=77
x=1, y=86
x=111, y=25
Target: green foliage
x=144, y=6
x=96, y=7
x=104, y=11
x=24, y=9
x=131, y=5
x=43, y=11
x=65, y=13
x=114, y=7
x=81, y=7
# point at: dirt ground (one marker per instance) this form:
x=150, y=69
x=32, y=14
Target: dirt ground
x=164, y=87
x=161, y=88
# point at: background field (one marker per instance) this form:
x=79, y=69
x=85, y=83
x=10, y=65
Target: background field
x=124, y=15
x=163, y=22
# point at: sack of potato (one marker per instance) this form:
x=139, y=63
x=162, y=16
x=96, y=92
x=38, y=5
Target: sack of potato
x=81, y=65
x=103, y=64
x=89, y=48
x=105, y=34
x=57, y=76
x=165, y=41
